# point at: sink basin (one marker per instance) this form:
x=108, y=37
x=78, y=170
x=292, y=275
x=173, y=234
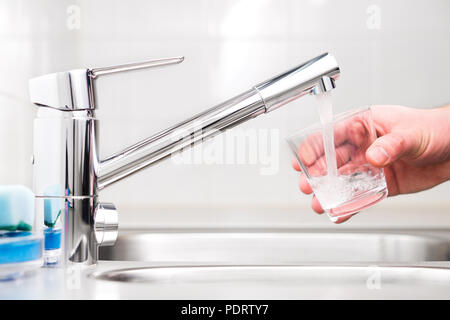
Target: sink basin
x=282, y=282
x=276, y=264
x=265, y=247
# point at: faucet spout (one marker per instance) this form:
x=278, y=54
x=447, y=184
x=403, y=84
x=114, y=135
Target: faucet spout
x=192, y=131
x=269, y=95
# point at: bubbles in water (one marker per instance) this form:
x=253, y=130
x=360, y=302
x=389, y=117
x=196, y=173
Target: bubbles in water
x=345, y=188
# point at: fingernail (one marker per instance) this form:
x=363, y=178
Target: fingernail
x=379, y=155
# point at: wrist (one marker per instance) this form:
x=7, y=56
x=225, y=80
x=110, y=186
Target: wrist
x=440, y=128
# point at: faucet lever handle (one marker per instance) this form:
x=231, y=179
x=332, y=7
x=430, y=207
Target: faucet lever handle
x=95, y=72
x=74, y=89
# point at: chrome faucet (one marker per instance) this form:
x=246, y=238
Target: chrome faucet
x=68, y=173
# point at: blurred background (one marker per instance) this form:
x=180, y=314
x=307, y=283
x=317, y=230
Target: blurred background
x=389, y=53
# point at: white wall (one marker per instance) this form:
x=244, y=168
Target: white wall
x=389, y=52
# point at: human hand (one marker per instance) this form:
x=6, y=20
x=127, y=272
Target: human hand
x=413, y=147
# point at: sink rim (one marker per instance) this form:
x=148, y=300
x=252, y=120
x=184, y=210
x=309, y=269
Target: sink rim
x=405, y=234
x=117, y=275
x=206, y=245
x=285, y=232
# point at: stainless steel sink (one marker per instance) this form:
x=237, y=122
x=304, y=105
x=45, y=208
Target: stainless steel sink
x=282, y=282
x=265, y=247
x=277, y=264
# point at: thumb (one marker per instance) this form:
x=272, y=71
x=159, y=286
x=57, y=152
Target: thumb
x=393, y=146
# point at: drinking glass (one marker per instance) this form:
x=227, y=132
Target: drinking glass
x=356, y=184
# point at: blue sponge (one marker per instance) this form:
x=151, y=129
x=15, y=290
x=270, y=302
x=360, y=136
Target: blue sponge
x=19, y=246
x=16, y=208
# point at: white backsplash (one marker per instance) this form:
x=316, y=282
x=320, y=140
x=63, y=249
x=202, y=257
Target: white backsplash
x=389, y=53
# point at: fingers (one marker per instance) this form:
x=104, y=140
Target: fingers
x=344, y=154
x=358, y=132
x=304, y=185
x=316, y=205
x=393, y=146
x=349, y=138
x=311, y=149
x=295, y=164
x=318, y=209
